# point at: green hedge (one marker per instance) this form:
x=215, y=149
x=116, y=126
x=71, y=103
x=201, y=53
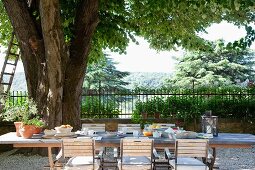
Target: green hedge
x=238, y=103
x=93, y=107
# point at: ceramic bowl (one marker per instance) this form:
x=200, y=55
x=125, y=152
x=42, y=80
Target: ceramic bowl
x=64, y=129
x=186, y=135
x=50, y=132
x=109, y=134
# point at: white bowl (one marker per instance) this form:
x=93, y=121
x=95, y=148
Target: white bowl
x=50, y=132
x=186, y=135
x=64, y=129
x=109, y=134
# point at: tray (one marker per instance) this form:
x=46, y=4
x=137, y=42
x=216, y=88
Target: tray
x=60, y=135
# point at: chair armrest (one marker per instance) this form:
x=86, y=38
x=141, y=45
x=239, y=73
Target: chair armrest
x=210, y=156
x=168, y=155
x=101, y=152
x=115, y=153
x=155, y=154
x=59, y=155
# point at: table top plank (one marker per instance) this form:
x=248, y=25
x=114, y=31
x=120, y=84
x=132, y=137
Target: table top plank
x=223, y=140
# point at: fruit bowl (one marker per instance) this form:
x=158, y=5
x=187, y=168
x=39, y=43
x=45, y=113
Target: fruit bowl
x=64, y=129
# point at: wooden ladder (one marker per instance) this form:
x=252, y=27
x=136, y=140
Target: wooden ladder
x=9, y=66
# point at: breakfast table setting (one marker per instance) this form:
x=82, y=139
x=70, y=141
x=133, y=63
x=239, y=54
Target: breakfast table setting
x=163, y=137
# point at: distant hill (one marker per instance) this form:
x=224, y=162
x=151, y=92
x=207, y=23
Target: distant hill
x=148, y=80
x=136, y=79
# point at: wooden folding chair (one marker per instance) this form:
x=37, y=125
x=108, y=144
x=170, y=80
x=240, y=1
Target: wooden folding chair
x=136, y=153
x=79, y=153
x=96, y=127
x=129, y=127
x=190, y=154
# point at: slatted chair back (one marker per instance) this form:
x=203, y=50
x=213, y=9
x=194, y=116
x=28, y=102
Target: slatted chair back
x=78, y=147
x=96, y=127
x=136, y=147
x=191, y=153
x=191, y=148
x=129, y=127
x=136, y=153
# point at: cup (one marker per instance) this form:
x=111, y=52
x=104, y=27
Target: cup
x=135, y=133
x=124, y=130
x=91, y=132
x=156, y=134
x=84, y=131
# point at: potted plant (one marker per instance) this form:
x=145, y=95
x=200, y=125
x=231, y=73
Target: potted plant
x=31, y=121
x=12, y=113
x=26, y=114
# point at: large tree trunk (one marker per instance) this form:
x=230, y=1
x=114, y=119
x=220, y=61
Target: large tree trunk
x=54, y=73
x=85, y=23
x=56, y=55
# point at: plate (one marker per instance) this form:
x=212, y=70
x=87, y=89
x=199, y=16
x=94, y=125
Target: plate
x=60, y=135
x=205, y=136
x=64, y=134
x=186, y=135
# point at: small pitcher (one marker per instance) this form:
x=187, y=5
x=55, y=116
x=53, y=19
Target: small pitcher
x=91, y=132
x=156, y=134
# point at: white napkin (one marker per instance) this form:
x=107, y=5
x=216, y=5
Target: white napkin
x=97, y=137
x=83, y=137
x=170, y=130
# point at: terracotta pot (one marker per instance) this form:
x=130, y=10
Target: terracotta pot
x=17, y=125
x=37, y=130
x=27, y=131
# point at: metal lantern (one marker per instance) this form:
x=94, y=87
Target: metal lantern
x=210, y=124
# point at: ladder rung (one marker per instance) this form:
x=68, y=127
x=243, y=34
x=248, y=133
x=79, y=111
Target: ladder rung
x=14, y=54
x=5, y=83
x=11, y=64
x=9, y=73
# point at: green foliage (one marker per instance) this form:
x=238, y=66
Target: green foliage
x=165, y=24
x=5, y=27
x=225, y=102
x=25, y=112
x=104, y=75
x=218, y=68
x=94, y=107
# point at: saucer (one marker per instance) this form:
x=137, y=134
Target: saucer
x=64, y=134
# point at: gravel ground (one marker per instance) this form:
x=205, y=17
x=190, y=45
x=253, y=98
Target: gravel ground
x=227, y=159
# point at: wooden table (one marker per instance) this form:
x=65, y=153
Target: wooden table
x=224, y=140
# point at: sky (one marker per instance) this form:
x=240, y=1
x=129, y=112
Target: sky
x=140, y=58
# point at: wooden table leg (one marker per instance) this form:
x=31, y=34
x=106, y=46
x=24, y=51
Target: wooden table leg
x=211, y=165
x=50, y=157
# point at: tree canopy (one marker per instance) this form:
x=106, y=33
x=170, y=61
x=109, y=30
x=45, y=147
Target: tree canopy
x=218, y=68
x=165, y=24
x=104, y=75
x=57, y=38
